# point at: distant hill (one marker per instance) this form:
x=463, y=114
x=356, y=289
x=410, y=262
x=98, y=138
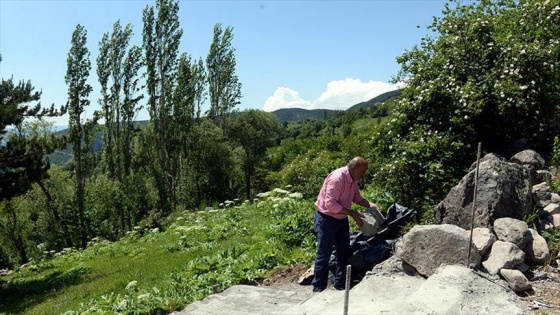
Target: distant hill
x=376, y=100
x=285, y=115
x=299, y=114
x=63, y=156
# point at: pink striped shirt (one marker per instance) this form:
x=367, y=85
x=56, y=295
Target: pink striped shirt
x=338, y=191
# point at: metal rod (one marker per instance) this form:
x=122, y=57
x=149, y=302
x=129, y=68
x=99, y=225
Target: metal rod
x=474, y=204
x=347, y=289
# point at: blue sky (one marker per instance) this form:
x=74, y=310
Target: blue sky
x=308, y=54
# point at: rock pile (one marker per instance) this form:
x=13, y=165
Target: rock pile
x=504, y=245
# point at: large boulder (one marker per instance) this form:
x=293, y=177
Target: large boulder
x=529, y=158
x=504, y=190
x=427, y=247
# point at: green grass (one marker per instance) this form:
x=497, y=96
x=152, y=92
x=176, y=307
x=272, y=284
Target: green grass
x=152, y=272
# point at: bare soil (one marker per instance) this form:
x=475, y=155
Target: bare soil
x=544, y=298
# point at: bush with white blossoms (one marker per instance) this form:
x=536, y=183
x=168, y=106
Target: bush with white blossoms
x=488, y=73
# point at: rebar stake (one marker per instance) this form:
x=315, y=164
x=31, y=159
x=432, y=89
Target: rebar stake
x=473, y=204
x=347, y=289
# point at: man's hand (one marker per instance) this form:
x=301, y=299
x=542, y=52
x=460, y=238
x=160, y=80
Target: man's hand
x=376, y=207
x=357, y=216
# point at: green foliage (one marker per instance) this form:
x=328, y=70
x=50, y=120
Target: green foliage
x=161, y=38
x=292, y=224
x=554, y=182
x=224, y=87
x=254, y=131
x=553, y=242
x=22, y=151
x=149, y=271
x=307, y=172
x=213, y=169
x=413, y=168
x=555, y=159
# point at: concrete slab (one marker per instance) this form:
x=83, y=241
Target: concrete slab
x=245, y=299
x=450, y=290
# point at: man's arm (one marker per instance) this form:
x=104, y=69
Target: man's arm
x=354, y=214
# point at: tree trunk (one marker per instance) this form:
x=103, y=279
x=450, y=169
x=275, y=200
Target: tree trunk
x=80, y=199
x=56, y=215
x=248, y=184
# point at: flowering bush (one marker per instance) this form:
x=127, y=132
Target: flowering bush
x=489, y=74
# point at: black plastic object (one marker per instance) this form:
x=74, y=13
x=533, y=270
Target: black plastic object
x=370, y=251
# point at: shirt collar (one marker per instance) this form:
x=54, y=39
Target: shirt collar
x=347, y=174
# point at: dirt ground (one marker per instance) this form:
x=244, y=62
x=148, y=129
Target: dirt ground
x=546, y=290
x=544, y=298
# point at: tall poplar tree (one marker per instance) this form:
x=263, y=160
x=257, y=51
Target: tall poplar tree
x=224, y=86
x=161, y=36
x=79, y=133
x=118, y=74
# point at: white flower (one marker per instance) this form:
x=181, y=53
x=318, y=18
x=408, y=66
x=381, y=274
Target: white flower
x=296, y=195
x=122, y=304
x=144, y=296
x=131, y=285
x=280, y=191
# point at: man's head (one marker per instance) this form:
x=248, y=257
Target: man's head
x=357, y=168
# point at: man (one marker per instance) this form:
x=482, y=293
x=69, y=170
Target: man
x=333, y=204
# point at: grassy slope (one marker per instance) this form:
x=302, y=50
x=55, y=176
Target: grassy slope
x=197, y=251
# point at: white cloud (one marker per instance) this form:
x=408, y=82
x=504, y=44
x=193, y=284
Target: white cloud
x=285, y=97
x=340, y=94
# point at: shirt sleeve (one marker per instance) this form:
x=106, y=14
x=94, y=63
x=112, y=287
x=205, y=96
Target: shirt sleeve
x=357, y=196
x=333, y=190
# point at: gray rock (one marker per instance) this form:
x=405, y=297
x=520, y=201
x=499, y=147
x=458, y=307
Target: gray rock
x=542, y=187
x=537, y=250
x=516, y=280
x=503, y=255
x=553, y=208
x=392, y=266
x=307, y=276
x=372, y=222
x=427, y=247
x=512, y=230
x=504, y=190
x=555, y=198
x=483, y=239
x=529, y=158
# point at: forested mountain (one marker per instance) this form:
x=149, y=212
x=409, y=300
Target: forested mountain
x=300, y=114
x=387, y=96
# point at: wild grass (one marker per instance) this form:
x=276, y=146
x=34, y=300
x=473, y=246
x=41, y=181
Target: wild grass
x=153, y=272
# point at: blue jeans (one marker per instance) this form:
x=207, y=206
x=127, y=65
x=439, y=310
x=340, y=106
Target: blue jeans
x=331, y=232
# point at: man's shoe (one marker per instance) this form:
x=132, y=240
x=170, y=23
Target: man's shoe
x=339, y=287
x=317, y=290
